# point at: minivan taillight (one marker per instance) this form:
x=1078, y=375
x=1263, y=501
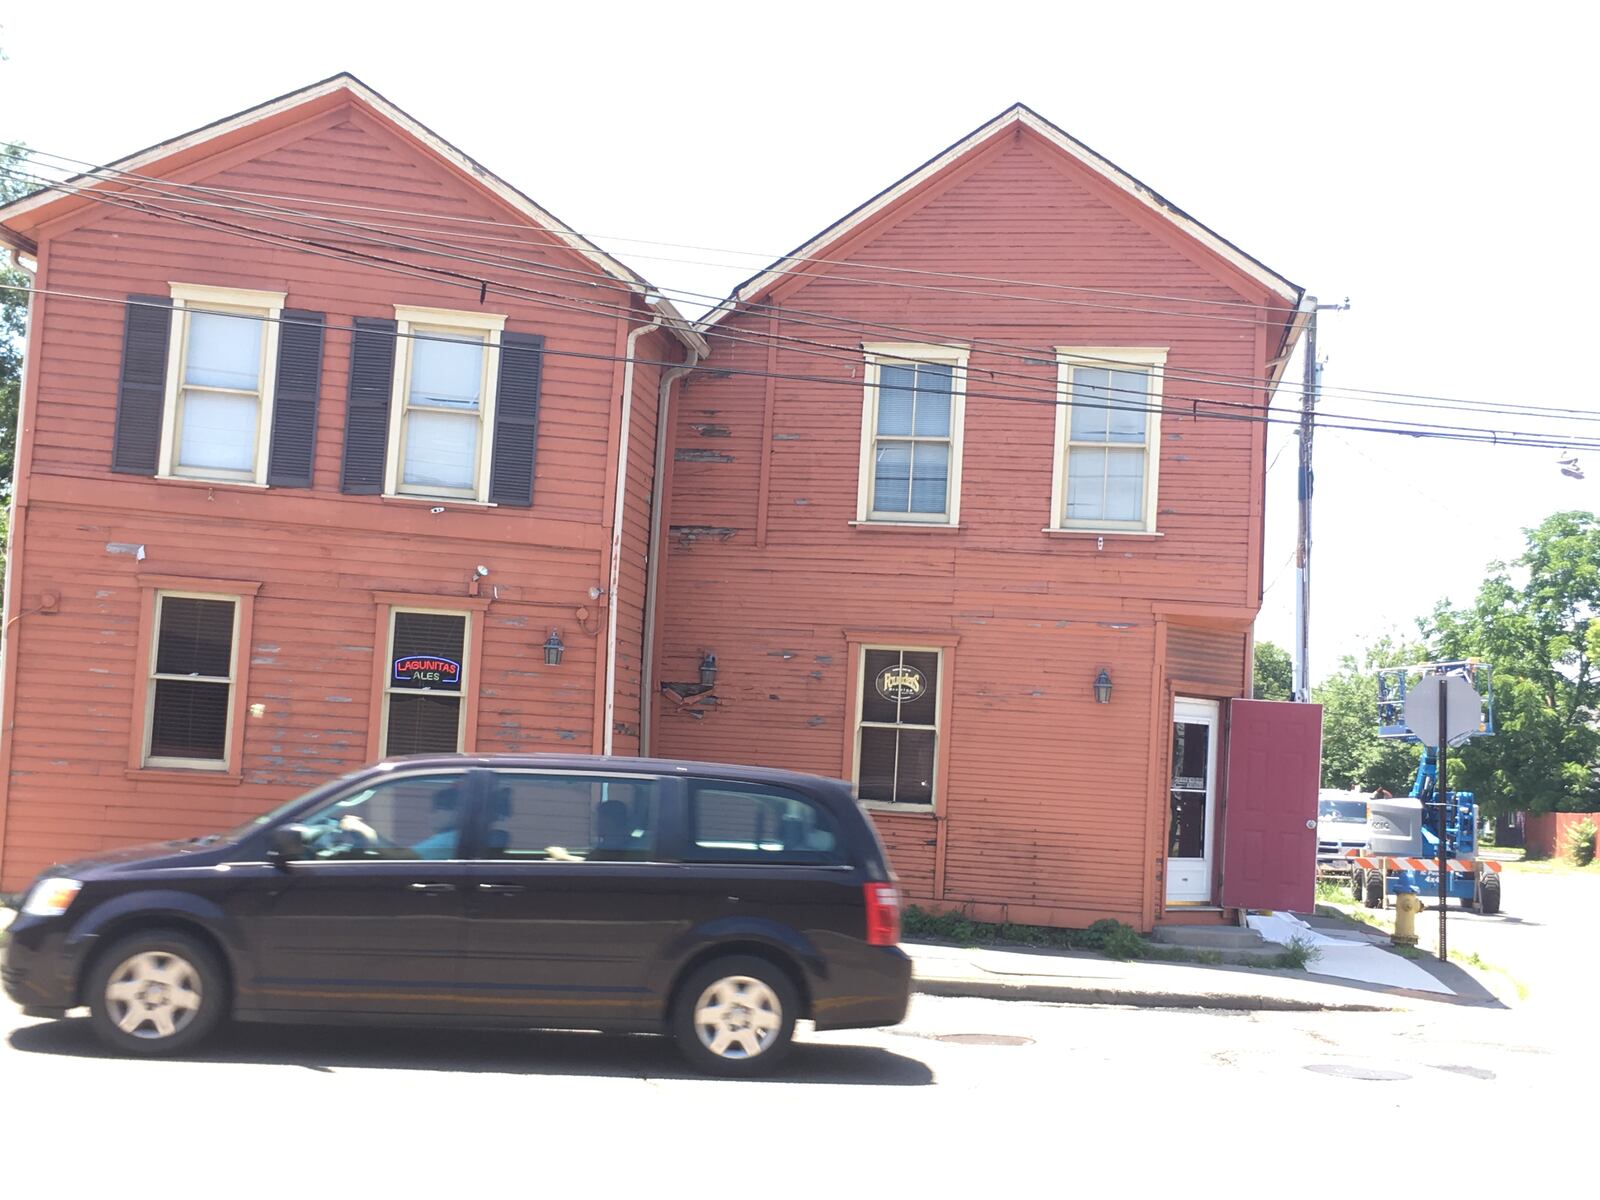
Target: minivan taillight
x=883, y=914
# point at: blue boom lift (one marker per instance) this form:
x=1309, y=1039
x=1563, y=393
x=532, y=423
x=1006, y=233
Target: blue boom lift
x=1415, y=827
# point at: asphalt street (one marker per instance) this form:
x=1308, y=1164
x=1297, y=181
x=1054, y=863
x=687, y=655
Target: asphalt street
x=966, y=1095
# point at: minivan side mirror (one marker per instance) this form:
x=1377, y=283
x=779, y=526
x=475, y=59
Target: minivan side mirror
x=287, y=843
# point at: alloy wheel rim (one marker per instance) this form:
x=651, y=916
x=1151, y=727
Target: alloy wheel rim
x=738, y=1017
x=153, y=994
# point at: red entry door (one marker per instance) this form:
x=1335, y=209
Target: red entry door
x=1269, y=830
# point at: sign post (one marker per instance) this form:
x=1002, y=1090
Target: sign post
x=1440, y=710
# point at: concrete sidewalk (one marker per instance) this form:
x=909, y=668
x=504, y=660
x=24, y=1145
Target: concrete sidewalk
x=1075, y=978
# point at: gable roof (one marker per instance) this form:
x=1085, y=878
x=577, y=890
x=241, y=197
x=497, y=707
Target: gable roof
x=1017, y=115
x=27, y=212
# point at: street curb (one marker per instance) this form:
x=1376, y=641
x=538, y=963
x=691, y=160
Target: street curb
x=1056, y=993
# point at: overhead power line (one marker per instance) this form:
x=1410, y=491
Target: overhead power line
x=1200, y=377
x=1182, y=409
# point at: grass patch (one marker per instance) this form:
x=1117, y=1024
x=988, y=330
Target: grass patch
x=1114, y=939
x=1298, y=954
x=1476, y=961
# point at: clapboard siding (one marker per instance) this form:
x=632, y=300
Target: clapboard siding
x=318, y=554
x=1212, y=657
x=1048, y=812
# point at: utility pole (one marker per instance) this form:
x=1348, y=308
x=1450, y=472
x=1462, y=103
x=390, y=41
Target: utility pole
x=1302, y=595
x=1308, y=409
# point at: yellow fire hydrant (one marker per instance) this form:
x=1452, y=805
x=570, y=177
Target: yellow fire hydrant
x=1406, y=907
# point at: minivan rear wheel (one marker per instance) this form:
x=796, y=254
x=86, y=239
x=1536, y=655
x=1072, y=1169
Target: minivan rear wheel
x=156, y=992
x=735, y=1016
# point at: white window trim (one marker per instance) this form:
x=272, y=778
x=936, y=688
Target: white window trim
x=411, y=320
x=204, y=764
x=1067, y=357
x=876, y=354
x=937, y=726
x=388, y=674
x=219, y=299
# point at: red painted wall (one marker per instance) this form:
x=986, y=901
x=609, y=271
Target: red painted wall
x=74, y=685
x=1052, y=809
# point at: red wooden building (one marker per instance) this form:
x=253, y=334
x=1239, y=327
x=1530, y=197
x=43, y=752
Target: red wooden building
x=326, y=433
x=334, y=445
x=993, y=549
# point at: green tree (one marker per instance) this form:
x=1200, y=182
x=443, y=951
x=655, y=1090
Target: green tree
x=13, y=323
x=1353, y=755
x=1274, y=672
x=1543, y=640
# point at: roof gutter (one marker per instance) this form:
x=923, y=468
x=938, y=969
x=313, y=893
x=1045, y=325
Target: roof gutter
x=619, y=512
x=647, y=675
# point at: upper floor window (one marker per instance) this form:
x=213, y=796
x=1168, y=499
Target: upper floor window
x=911, y=434
x=442, y=418
x=220, y=382
x=1108, y=439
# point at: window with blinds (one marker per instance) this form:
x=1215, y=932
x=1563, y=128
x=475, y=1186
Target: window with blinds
x=897, y=727
x=191, y=686
x=423, y=682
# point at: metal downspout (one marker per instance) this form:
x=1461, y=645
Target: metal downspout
x=620, y=511
x=654, y=551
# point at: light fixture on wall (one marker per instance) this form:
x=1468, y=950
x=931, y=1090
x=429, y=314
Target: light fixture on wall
x=1102, y=687
x=708, y=669
x=554, y=648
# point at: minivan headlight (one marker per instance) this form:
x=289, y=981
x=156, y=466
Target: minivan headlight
x=51, y=897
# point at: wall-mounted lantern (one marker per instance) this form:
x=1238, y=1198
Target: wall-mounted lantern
x=708, y=669
x=554, y=648
x=1102, y=687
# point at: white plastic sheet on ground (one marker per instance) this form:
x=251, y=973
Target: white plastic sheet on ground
x=1343, y=958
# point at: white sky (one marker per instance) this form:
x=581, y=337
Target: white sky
x=1434, y=162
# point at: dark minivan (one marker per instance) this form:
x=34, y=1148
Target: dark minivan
x=719, y=904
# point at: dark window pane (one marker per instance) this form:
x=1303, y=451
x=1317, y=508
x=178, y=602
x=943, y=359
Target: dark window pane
x=877, y=764
x=1191, y=749
x=196, y=637
x=923, y=708
x=572, y=817
x=190, y=720
x=1188, y=838
x=875, y=706
x=427, y=637
x=914, y=778
x=423, y=724
x=730, y=823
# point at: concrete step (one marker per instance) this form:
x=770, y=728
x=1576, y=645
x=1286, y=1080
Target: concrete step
x=1209, y=937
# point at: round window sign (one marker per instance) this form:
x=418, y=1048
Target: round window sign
x=901, y=682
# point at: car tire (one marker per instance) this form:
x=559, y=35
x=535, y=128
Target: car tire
x=1489, y=895
x=156, y=992
x=1372, y=889
x=735, y=1016
x=1358, y=882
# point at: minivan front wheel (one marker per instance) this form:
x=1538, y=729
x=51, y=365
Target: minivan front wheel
x=157, y=992
x=735, y=1016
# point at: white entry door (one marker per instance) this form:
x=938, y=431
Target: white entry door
x=1192, y=819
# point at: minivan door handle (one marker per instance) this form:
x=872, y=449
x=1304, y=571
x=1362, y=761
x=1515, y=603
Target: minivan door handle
x=431, y=889
x=502, y=889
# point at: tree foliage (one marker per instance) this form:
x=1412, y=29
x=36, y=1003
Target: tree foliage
x=13, y=322
x=1534, y=620
x=1274, y=672
x=1353, y=755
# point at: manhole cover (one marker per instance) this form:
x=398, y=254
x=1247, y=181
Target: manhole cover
x=983, y=1039
x=1470, y=1072
x=1345, y=1071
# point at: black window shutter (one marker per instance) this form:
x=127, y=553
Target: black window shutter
x=516, y=419
x=366, y=420
x=294, y=402
x=136, y=443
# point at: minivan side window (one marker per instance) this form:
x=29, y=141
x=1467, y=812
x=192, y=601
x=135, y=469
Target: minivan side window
x=535, y=817
x=412, y=816
x=743, y=823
